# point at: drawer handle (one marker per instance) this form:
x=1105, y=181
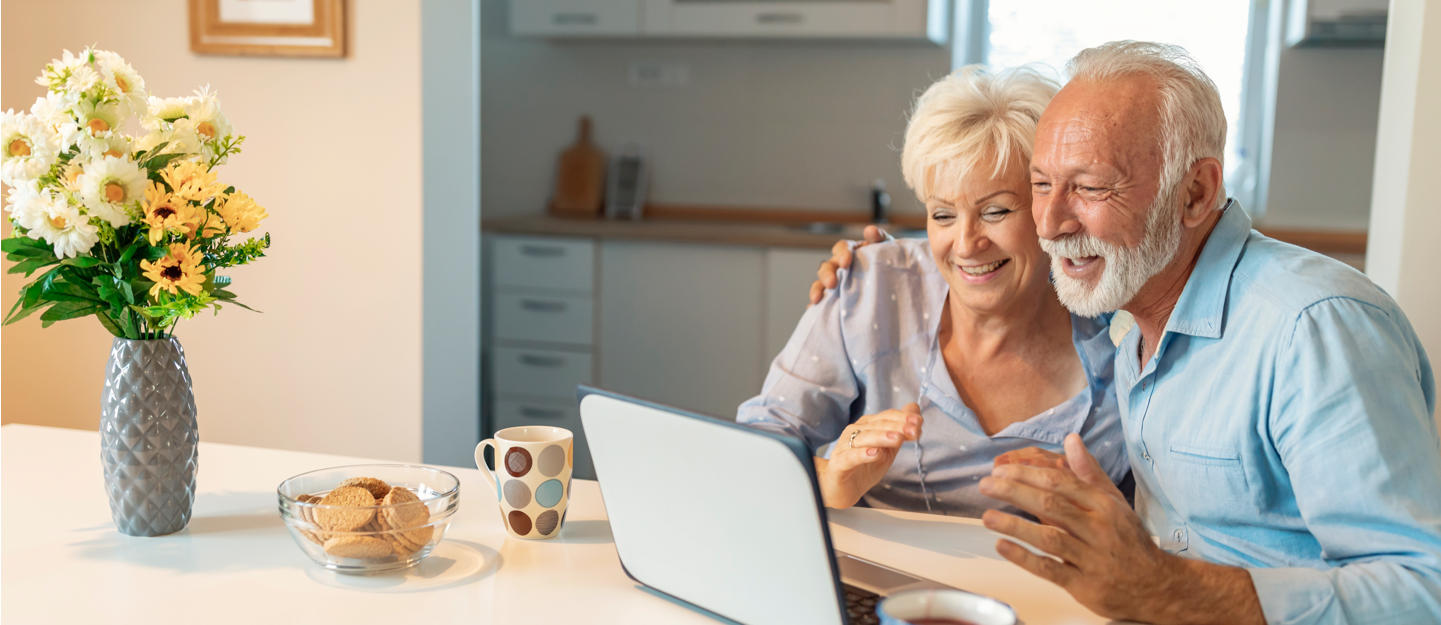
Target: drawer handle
x=543, y=251
x=542, y=361
x=573, y=19
x=779, y=18
x=530, y=412
x=535, y=305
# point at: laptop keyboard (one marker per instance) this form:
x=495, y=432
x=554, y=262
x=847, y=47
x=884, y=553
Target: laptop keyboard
x=861, y=606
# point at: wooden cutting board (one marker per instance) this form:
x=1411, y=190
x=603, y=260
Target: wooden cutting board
x=580, y=178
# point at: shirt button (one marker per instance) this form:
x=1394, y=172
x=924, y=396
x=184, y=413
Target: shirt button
x=1146, y=456
x=1179, y=535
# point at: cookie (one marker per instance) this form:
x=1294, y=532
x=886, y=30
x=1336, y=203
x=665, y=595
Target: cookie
x=354, y=508
x=307, y=514
x=378, y=488
x=407, y=517
x=359, y=547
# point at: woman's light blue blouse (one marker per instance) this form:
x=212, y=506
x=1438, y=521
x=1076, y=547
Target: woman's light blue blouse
x=870, y=346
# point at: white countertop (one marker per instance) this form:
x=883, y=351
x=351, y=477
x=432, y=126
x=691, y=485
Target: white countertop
x=62, y=561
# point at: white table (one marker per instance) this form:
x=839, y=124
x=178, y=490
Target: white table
x=64, y=562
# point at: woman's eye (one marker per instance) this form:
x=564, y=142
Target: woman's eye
x=941, y=216
x=995, y=214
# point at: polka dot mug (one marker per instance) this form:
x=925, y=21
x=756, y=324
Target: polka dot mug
x=532, y=477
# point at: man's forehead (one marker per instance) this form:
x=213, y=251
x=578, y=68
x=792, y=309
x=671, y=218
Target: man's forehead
x=1101, y=116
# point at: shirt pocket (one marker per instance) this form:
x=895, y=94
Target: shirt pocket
x=1207, y=485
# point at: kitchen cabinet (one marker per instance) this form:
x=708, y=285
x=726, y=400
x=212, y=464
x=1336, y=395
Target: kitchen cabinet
x=541, y=297
x=682, y=324
x=575, y=18
x=920, y=20
x=797, y=19
x=789, y=274
x=690, y=325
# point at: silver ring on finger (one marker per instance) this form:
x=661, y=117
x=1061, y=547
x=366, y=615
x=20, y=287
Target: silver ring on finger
x=854, y=433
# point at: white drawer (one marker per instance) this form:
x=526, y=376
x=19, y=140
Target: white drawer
x=545, y=263
x=540, y=372
x=511, y=413
x=544, y=318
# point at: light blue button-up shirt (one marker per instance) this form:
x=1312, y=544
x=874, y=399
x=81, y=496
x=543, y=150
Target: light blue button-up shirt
x=870, y=346
x=1285, y=425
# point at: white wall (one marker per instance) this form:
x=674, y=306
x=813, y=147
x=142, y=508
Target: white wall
x=1405, y=214
x=334, y=152
x=775, y=124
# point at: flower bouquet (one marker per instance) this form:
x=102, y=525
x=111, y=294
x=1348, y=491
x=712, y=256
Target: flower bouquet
x=130, y=228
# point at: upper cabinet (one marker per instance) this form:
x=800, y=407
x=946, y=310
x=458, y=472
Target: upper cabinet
x=921, y=20
x=575, y=18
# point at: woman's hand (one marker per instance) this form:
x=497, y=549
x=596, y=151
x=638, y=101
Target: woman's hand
x=864, y=453
x=840, y=259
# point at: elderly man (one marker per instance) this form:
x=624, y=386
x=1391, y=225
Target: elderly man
x=1277, y=405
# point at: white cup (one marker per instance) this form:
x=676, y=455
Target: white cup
x=532, y=478
x=919, y=606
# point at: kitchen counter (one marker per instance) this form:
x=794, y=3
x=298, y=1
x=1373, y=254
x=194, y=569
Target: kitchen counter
x=682, y=231
x=64, y=562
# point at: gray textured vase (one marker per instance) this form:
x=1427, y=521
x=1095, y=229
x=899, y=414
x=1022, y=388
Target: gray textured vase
x=148, y=437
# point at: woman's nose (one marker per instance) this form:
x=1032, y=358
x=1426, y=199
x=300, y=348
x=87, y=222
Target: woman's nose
x=973, y=241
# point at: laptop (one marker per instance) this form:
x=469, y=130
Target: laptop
x=725, y=518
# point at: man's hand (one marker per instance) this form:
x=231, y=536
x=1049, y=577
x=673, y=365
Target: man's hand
x=840, y=259
x=1033, y=457
x=864, y=453
x=1106, y=558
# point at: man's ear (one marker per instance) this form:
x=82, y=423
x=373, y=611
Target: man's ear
x=1202, y=185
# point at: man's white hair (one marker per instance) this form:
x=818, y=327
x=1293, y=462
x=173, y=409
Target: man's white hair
x=1193, y=123
x=973, y=119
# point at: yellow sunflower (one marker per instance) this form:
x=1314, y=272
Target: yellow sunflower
x=179, y=270
x=165, y=212
x=240, y=212
x=191, y=180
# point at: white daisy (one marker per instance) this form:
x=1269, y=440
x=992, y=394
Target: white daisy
x=203, y=111
x=58, y=71
x=120, y=77
x=27, y=147
x=109, y=186
x=26, y=204
x=184, y=137
x=54, y=108
x=97, y=118
x=162, y=111
x=64, y=227
x=104, y=144
x=82, y=78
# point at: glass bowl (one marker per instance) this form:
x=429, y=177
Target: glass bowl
x=369, y=538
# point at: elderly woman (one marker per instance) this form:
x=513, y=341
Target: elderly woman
x=932, y=358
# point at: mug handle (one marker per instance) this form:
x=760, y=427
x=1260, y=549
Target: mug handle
x=480, y=462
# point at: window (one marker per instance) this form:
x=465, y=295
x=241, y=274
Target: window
x=1050, y=32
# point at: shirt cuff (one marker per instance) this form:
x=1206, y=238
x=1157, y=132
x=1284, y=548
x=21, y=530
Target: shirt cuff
x=1293, y=596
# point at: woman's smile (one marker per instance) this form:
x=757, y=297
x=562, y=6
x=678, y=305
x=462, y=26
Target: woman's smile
x=981, y=274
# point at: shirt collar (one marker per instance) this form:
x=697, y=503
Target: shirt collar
x=1202, y=305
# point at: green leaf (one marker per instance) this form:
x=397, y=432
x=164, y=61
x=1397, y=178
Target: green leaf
x=222, y=281
x=67, y=310
x=30, y=252
x=28, y=267
x=130, y=252
x=110, y=325
x=15, y=244
x=72, y=290
x=159, y=161
x=12, y=318
x=155, y=253
x=82, y=261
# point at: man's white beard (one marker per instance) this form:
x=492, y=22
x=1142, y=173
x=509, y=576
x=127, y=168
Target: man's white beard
x=1126, y=270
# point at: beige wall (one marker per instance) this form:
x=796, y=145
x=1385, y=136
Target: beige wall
x=334, y=148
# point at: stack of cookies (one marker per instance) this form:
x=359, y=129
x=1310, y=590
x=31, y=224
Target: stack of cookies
x=369, y=520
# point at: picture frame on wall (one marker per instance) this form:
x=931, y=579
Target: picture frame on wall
x=300, y=28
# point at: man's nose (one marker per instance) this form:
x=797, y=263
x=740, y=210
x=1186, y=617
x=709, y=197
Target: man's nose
x=1055, y=214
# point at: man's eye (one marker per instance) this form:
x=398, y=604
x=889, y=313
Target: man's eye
x=1092, y=189
x=1041, y=186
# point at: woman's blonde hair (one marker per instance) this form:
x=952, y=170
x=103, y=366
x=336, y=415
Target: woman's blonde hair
x=971, y=116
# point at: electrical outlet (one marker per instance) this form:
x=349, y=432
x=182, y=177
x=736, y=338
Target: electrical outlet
x=659, y=74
